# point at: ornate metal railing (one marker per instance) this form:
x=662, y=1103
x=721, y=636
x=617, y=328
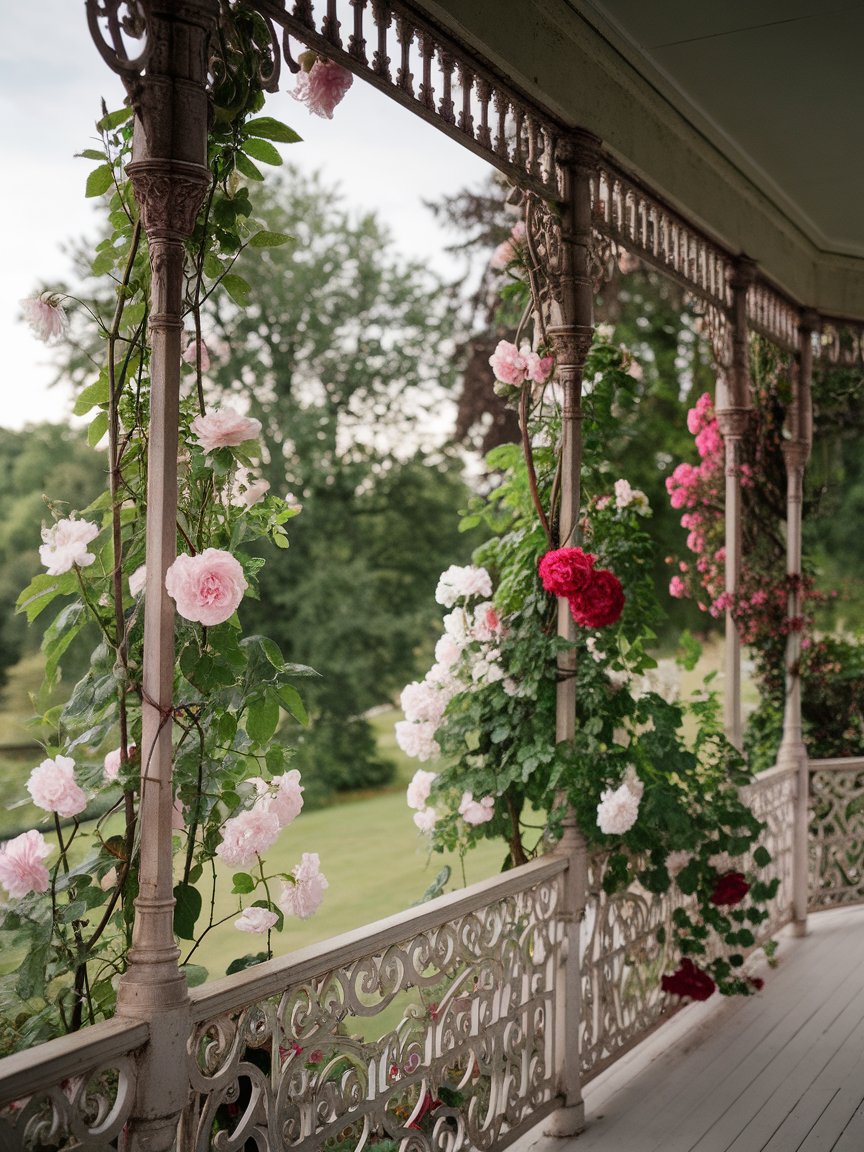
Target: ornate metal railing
x=75, y=1092
x=836, y=832
x=622, y=957
x=288, y=1054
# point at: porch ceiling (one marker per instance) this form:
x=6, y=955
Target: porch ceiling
x=745, y=115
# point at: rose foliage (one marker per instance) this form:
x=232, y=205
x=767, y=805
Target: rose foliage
x=663, y=810
x=71, y=882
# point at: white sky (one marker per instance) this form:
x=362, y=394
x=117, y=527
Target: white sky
x=52, y=80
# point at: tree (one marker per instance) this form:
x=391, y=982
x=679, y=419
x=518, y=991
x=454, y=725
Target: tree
x=343, y=350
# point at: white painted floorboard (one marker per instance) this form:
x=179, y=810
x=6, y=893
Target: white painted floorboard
x=781, y=1071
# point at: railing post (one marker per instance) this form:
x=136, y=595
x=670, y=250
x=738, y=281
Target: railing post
x=571, y=316
x=170, y=175
x=733, y=408
x=792, y=753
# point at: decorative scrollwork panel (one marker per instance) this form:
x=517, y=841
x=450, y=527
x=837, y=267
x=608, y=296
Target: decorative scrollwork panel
x=771, y=798
x=87, y=1110
x=836, y=834
x=467, y=1061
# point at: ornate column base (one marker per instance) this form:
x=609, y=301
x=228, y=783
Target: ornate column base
x=569, y=1121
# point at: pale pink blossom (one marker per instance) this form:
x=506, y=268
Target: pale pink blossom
x=322, y=87
x=111, y=763
x=426, y=819
x=65, y=545
x=509, y=249
x=508, y=363
x=538, y=368
x=207, y=587
x=190, y=354
x=486, y=624
x=423, y=702
x=52, y=787
x=634, y=369
x=137, y=581
x=457, y=626
x=246, y=836
x=677, y=588
x=109, y=880
x=46, y=316
x=417, y=740
x=676, y=862
x=249, y=491
x=447, y=651
x=224, y=428
x=420, y=788
x=617, y=810
x=255, y=920
x=21, y=867
x=292, y=502
x=476, y=811
x=283, y=795
x=462, y=583
x=304, y=896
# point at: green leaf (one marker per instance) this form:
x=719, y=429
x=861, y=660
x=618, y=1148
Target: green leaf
x=196, y=974
x=250, y=171
x=244, y=962
x=93, y=394
x=242, y=883
x=269, y=129
x=265, y=239
x=99, y=180
x=291, y=700
x=31, y=972
x=262, y=719
x=114, y=119
x=91, y=154
x=60, y=634
x=264, y=151
x=761, y=857
x=42, y=590
x=237, y=288
x=98, y=428
x=186, y=910
x=102, y=263
x=212, y=266
x=436, y=887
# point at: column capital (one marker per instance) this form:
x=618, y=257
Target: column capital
x=732, y=422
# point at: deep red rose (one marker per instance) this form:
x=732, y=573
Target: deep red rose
x=730, y=888
x=601, y=603
x=756, y=982
x=565, y=571
x=689, y=981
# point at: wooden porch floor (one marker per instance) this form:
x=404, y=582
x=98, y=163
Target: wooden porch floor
x=782, y=1071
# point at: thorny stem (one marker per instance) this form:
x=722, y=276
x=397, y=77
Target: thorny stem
x=529, y=463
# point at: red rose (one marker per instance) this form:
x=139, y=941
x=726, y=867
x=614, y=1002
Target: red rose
x=730, y=888
x=565, y=571
x=689, y=981
x=600, y=603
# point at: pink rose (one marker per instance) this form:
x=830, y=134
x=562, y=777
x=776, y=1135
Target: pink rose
x=111, y=763
x=419, y=788
x=249, y=491
x=246, y=836
x=52, y=787
x=417, y=739
x=508, y=363
x=46, y=316
x=255, y=920
x=476, y=811
x=137, y=581
x=207, y=587
x=566, y=571
x=224, y=428
x=677, y=588
x=190, y=354
x=538, y=369
x=65, y=545
x=322, y=87
x=618, y=810
x=426, y=819
x=21, y=867
x=283, y=796
x=304, y=896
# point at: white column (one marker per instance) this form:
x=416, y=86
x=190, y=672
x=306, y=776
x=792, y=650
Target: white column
x=792, y=752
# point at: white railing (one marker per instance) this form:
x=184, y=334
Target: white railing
x=443, y=1026
x=836, y=842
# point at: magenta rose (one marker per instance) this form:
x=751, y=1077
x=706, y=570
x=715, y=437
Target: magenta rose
x=688, y=981
x=600, y=603
x=566, y=571
x=730, y=888
x=206, y=588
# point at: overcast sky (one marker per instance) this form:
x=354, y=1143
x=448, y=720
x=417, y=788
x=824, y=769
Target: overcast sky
x=52, y=80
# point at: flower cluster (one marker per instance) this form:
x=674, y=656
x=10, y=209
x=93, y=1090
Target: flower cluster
x=321, y=84
x=595, y=595
x=510, y=249
x=518, y=366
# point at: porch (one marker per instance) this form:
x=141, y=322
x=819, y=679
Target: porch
x=779, y=1073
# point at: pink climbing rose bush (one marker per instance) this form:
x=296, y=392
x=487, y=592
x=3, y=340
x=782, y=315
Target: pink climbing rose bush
x=321, y=84
x=206, y=588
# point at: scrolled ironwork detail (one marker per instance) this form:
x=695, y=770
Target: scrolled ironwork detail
x=469, y=1061
x=836, y=834
x=86, y=1110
